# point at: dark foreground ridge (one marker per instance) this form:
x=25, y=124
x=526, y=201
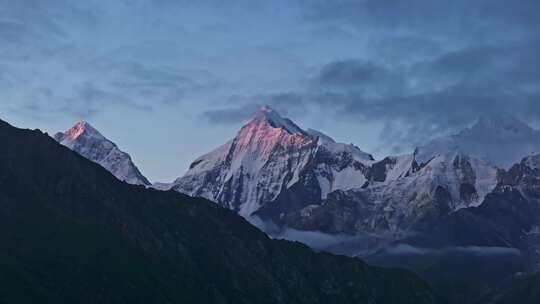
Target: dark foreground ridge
x=72, y=233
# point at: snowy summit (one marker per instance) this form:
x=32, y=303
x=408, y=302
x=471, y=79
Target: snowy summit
x=88, y=142
x=268, y=156
x=500, y=140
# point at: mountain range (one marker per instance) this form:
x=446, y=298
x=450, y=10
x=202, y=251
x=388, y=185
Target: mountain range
x=303, y=179
x=73, y=233
x=455, y=207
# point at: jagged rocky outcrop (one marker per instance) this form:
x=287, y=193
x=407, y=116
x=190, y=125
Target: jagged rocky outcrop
x=87, y=141
x=400, y=196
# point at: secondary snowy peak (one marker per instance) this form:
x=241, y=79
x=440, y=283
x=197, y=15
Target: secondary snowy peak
x=79, y=129
x=269, y=155
x=90, y=143
x=500, y=140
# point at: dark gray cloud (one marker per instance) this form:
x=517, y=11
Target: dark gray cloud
x=408, y=70
x=460, y=19
x=155, y=84
x=476, y=57
x=361, y=75
x=435, y=94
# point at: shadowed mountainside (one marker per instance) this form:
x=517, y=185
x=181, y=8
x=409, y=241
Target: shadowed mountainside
x=74, y=233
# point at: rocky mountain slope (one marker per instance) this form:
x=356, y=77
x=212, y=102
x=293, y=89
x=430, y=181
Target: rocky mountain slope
x=406, y=202
x=87, y=141
x=73, y=233
x=509, y=216
x=472, y=251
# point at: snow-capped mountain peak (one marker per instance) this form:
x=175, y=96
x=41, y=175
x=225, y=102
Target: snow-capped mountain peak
x=268, y=116
x=84, y=139
x=81, y=128
x=500, y=140
x=268, y=156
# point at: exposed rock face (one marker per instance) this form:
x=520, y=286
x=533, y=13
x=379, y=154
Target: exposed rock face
x=400, y=202
x=87, y=141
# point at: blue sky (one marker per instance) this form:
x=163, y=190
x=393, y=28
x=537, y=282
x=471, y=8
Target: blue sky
x=169, y=80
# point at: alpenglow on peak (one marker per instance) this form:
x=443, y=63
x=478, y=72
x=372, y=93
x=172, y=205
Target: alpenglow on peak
x=268, y=157
x=79, y=129
x=275, y=120
x=91, y=144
